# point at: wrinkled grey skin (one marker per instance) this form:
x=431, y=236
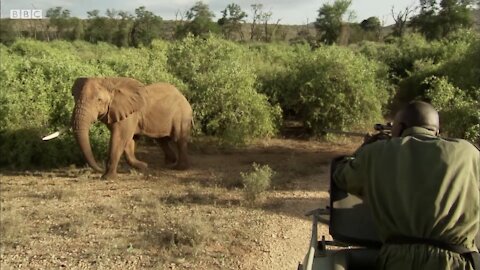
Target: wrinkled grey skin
x=130, y=108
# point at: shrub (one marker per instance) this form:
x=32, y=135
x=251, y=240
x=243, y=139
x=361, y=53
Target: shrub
x=221, y=89
x=257, y=181
x=35, y=98
x=273, y=63
x=148, y=65
x=459, y=113
x=333, y=87
x=412, y=59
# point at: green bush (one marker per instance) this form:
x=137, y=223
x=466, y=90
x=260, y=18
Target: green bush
x=273, y=64
x=221, y=89
x=459, y=113
x=24, y=148
x=400, y=54
x=237, y=90
x=336, y=88
x=257, y=181
x=35, y=98
x=412, y=59
x=148, y=65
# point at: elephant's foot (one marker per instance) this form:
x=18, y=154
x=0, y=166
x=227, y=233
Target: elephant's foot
x=181, y=166
x=109, y=176
x=141, y=166
x=170, y=160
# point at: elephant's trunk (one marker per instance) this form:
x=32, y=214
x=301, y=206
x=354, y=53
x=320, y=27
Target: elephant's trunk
x=81, y=124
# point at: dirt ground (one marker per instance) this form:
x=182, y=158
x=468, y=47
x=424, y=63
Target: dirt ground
x=164, y=219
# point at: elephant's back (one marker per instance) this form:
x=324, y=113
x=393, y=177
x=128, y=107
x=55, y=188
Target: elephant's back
x=163, y=89
x=164, y=94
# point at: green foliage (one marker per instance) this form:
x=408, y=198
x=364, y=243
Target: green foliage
x=400, y=54
x=148, y=65
x=99, y=28
x=459, y=113
x=371, y=24
x=231, y=21
x=60, y=20
x=329, y=20
x=7, y=32
x=24, y=148
x=463, y=67
x=257, y=181
x=333, y=87
x=221, y=89
x=146, y=27
x=35, y=99
x=273, y=65
x=412, y=62
x=438, y=20
x=199, y=21
x=237, y=90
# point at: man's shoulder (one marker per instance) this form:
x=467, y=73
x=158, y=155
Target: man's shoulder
x=461, y=143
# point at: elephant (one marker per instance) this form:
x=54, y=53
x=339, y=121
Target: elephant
x=129, y=108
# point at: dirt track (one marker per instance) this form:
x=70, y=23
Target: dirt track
x=196, y=219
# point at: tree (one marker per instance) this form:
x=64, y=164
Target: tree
x=146, y=27
x=121, y=36
x=78, y=31
x=199, y=21
x=99, y=28
x=400, y=18
x=368, y=29
x=436, y=20
x=372, y=24
x=231, y=21
x=257, y=13
x=261, y=17
x=329, y=21
x=60, y=19
x=7, y=32
x=426, y=21
x=455, y=14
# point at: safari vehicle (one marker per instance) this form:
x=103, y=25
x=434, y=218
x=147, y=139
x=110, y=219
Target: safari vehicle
x=355, y=243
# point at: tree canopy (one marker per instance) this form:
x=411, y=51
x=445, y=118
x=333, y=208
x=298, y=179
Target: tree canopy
x=438, y=19
x=199, y=21
x=329, y=21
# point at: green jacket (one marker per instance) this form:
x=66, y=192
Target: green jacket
x=418, y=185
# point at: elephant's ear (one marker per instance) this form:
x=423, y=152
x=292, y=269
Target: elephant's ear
x=78, y=86
x=127, y=99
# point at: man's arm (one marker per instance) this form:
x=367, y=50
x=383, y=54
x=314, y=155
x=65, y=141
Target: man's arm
x=351, y=173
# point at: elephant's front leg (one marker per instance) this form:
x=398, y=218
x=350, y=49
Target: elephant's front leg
x=118, y=142
x=131, y=159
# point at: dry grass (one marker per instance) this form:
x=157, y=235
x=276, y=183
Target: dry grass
x=194, y=219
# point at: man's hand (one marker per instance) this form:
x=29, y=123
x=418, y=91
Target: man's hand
x=371, y=138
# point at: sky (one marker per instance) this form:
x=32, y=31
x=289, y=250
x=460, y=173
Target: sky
x=288, y=11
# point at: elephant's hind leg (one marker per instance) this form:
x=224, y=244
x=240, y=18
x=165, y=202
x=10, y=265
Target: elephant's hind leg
x=170, y=156
x=182, y=163
x=131, y=159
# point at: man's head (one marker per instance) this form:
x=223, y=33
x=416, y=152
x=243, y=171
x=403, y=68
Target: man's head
x=416, y=114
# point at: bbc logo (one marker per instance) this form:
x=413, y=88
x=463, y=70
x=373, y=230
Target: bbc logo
x=26, y=14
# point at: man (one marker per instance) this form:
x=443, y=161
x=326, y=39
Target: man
x=423, y=191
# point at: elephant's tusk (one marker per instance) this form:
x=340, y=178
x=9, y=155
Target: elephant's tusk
x=51, y=136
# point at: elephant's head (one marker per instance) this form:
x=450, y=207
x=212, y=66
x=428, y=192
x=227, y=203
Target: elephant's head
x=108, y=99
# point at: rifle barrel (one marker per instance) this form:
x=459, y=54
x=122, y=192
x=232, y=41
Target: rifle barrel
x=348, y=133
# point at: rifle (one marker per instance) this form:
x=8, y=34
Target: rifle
x=383, y=129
